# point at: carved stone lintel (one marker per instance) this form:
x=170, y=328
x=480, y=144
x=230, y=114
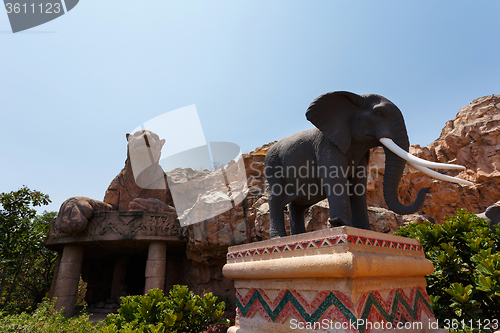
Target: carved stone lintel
x=118, y=225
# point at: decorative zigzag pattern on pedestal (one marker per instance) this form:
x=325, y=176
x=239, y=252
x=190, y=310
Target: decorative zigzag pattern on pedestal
x=336, y=306
x=324, y=242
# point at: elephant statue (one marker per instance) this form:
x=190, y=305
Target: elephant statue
x=330, y=161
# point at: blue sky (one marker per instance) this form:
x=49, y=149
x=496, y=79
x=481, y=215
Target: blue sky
x=72, y=88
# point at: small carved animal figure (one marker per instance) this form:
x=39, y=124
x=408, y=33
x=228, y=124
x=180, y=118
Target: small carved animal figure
x=140, y=185
x=330, y=161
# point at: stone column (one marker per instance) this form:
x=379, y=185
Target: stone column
x=68, y=278
x=156, y=265
x=54, y=278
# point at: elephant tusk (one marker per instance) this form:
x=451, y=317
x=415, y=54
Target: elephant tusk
x=415, y=160
x=440, y=176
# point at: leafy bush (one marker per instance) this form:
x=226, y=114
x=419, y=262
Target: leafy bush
x=181, y=312
x=465, y=284
x=46, y=320
x=26, y=266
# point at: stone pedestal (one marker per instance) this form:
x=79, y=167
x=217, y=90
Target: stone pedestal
x=155, y=266
x=68, y=277
x=337, y=280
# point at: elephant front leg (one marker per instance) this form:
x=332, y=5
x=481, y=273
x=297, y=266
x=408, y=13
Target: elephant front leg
x=338, y=199
x=358, y=203
x=358, y=195
x=277, y=217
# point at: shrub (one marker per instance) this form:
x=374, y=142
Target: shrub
x=181, y=312
x=46, y=320
x=26, y=266
x=465, y=285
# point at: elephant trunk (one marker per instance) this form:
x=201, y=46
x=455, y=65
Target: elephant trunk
x=394, y=167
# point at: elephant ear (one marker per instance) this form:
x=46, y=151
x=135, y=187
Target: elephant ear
x=331, y=113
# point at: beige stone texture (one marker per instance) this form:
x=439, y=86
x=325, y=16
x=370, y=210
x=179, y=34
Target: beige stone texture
x=68, y=277
x=67, y=303
x=67, y=287
x=343, y=259
x=346, y=285
x=72, y=254
x=156, y=282
x=351, y=264
x=157, y=251
x=156, y=266
x=67, y=270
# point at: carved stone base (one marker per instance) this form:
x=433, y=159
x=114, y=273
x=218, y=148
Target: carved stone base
x=338, y=280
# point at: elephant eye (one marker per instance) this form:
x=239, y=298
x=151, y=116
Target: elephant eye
x=379, y=113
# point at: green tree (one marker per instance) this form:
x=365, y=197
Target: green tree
x=25, y=264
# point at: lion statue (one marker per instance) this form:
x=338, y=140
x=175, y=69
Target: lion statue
x=140, y=186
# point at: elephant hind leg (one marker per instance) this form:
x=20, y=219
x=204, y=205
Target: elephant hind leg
x=277, y=217
x=297, y=224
